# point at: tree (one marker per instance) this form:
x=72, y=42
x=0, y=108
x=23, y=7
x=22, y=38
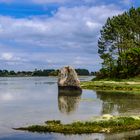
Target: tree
x=83, y=72
x=119, y=45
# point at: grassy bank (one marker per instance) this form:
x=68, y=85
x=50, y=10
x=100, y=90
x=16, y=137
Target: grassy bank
x=111, y=125
x=113, y=85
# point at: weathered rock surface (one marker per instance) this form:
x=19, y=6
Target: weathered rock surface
x=68, y=78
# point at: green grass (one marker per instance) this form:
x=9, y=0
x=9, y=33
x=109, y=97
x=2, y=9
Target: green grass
x=112, y=85
x=132, y=79
x=113, y=125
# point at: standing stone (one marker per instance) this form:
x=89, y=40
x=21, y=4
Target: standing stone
x=68, y=79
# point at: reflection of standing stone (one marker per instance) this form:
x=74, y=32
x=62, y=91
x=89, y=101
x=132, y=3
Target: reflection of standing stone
x=68, y=104
x=68, y=79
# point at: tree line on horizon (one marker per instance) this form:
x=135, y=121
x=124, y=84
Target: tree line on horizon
x=119, y=45
x=45, y=72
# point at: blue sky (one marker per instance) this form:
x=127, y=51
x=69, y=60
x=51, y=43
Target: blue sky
x=46, y=34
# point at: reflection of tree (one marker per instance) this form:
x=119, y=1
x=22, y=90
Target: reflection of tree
x=119, y=103
x=68, y=103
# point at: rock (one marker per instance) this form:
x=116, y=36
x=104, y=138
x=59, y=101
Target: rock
x=68, y=79
x=107, y=116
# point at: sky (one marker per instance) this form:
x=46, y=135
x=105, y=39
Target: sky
x=44, y=34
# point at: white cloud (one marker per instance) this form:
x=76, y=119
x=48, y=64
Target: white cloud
x=69, y=33
x=126, y=2
x=93, y=25
x=6, y=56
x=9, y=59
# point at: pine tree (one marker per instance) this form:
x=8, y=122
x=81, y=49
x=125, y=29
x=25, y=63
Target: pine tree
x=119, y=41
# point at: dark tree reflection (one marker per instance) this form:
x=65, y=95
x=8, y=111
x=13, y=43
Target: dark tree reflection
x=117, y=103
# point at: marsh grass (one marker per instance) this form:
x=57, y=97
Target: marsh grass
x=112, y=86
x=113, y=125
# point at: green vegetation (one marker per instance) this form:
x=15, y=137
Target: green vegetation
x=82, y=72
x=131, y=79
x=112, y=85
x=111, y=125
x=48, y=72
x=45, y=72
x=119, y=46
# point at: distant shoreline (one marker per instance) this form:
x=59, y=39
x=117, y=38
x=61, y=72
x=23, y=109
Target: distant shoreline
x=44, y=72
x=41, y=76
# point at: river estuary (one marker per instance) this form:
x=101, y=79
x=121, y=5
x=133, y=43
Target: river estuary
x=33, y=100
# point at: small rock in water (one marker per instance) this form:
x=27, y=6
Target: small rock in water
x=107, y=116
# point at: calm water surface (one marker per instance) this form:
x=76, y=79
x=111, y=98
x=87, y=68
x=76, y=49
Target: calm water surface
x=33, y=100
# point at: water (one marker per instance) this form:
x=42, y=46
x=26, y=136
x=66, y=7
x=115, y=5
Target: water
x=33, y=100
